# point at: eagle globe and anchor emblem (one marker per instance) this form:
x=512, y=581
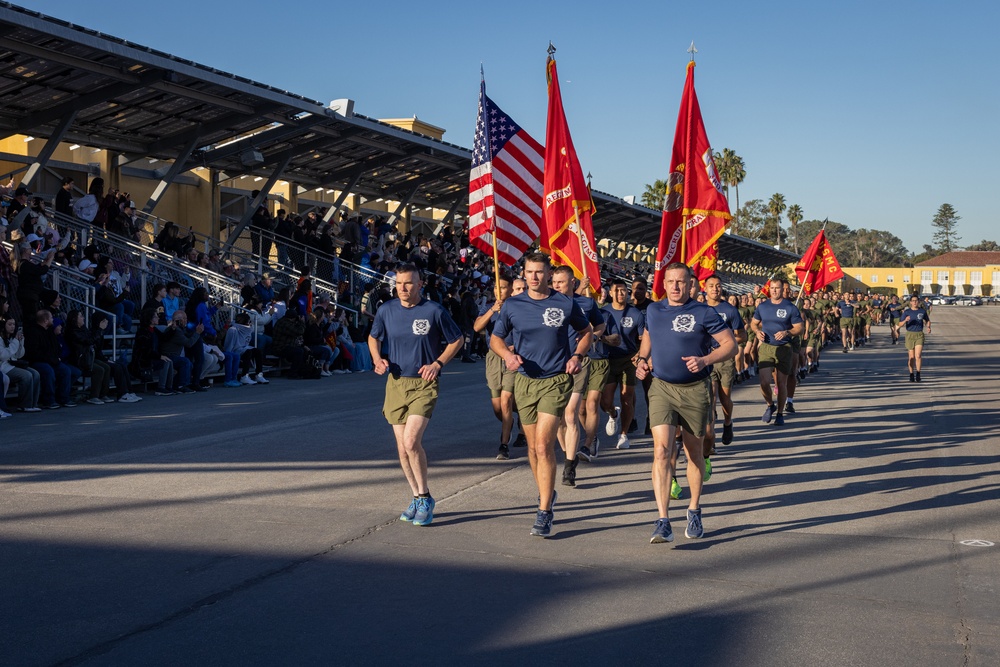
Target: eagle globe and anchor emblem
x=421, y=327
x=553, y=317
x=683, y=323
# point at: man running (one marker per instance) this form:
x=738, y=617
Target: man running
x=677, y=351
x=630, y=323
x=545, y=363
x=499, y=380
x=640, y=291
x=894, y=310
x=412, y=329
x=724, y=372
x=845, y=311
x=774, y=323
x=914, y=318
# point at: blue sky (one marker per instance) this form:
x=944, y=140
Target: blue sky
x=870, y=113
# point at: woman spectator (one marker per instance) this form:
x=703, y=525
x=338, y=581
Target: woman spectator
x=8, y=276
x=303, y=296
x=239, y=341
x=108, y=301
x=147, y=362
x=200, y=311
x=80, y=344
x=314, y=338
x=119, y=369
x=86, y=207
x=29, y=383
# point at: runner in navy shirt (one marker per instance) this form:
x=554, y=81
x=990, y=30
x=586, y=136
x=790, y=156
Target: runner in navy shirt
x=545, y=362
x=845, y=309
x=631, y=324
x=683, y=339
x=914, y=318
x=723, y=373
x=499, y=380
x=414, y=331
x=775, y=322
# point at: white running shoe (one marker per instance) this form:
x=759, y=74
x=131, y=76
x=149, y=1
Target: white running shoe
x=325, y=374
x=246, y=379
x=623, y=442
x=261, y=379
x=5, y=415
x=614, y=421
x=129, y=398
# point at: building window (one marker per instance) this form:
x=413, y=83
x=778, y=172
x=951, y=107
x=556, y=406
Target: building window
x=996, y=277
x=874, y=278
x=906, y=279
x=890, y=278
x=858, y=277
x=943, y=277
x=977, y=277
x=960, y=277
x=925, y=277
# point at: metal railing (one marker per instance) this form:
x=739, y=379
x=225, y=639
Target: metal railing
x=88, y=310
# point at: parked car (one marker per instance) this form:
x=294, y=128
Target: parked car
x=969, y=301
x=939, y=300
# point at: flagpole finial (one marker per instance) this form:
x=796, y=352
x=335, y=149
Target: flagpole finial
x=692, y=50
x=589, y=177
x=551, y=50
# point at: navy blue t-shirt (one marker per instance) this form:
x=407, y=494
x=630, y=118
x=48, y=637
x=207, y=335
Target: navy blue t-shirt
x=631, y=324
x=600, y=350
x=413, y=336
x=681, y=331
x=894, y=310
x=846, y=308
x=730, y=315
x=776, y=317
x=917, y=319
x=541, y=336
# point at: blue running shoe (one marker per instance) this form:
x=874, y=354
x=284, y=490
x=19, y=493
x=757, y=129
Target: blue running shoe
x=543, y=524
x=425, y=512
x=779, y=420
x=768, y=414
x=694, y=528
x=662, y=532
x=410, y=511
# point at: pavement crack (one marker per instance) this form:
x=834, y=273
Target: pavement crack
x=964, y=630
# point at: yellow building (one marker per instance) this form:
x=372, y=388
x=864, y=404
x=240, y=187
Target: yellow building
x=960, y=272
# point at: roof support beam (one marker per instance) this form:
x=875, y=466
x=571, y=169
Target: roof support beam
x=265, y=138
x=403, y=204
x=258, y=200
x=175, y=170
x=450, y=215
x=333, y=210
x=429, y=177
x=49, y=148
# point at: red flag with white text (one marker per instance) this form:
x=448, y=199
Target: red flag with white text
x=819, y=266
x=695, y=210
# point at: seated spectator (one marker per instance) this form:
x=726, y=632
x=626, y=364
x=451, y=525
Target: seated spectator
x=172, y=302
x=119, y=283
x=184, y=347
x=14, y=367
x=314, y=338
x=107, y=300
x=31, y=270
x=287, y=343
x=42, y=352
x=147, y=361
x=239, y=341
x=218, y=359
x=265, y=288
x=200, y=310
x=155, y=302
x=99, y=323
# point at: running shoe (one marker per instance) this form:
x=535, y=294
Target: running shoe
x=32, y=410
x=623, y=442
x=727, y=433
x=130, y=398
x=768, y=414
x=246, y=379
x=918, y=376
x=95, y=401
x=675, y=489
x=790, y=407
x=597, y=447
x=543, y=524
x=503, y=453
x=410, y=511
x=614, y=421
x=5, y=415
x=261, y=379
x=425, y=512
x=694, y=528
x=185, y=390
x=913, y=377
x=569, y=473
x=54, y=406
x=845, y=350
x=520, y=440
x=779, y=420
x=708, y=470
x=164, y=392
x=232, y=384
x=69, y=404
x=585, y=454
x=662, y=532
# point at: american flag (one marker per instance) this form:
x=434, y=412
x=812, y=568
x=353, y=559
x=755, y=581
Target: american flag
x=505, y=185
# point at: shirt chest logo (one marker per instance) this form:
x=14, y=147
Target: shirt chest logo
x=553, y=317
x=782, y=313
x=421, y=327
x=683, y=323
x=627, y=322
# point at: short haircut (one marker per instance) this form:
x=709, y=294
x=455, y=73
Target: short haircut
x=676, y=266
x=563, y=269
x=42, y=315
x=642, y=281
x=713, y=276
x=538, y=258
x=173, y=285
x=618, y=282
x=408, y=268
x=505, y=277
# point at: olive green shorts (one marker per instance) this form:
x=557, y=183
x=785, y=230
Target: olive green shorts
x=548, y=395
x=796, y=343
x=406, y=396
x=775, y=356
x=914, y=338
x=621, y=370
x=685, y=404
x=498, y=378
x=847, y=322
x=600, y=371
x=580, y=379
x=814, y=342
x=724, y=373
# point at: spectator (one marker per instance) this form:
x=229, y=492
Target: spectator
x=314, y=338
x=239, y=339
x=12, y=364
x=303, y=297
x=18, y=204
x=119, y=369
x=218, y=359
x=284, y=230
x=201, y=311
x=30, y=271
x=108, y=301
x=265, y=288
x=81, y=344
x=8, y=276
x=172, y=301
x=262, y=226
x=119, y=283
x=42, y=352
x=288, y=343
x=147, y=361
x=155, y=302
x=184, y=348
x=85, y=208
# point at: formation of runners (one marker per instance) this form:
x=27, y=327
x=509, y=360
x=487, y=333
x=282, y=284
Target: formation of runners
x=560, y=368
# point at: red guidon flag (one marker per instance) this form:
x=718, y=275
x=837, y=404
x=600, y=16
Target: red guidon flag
x=819, y=266
x=566, y=193
x=695, y=210
x=505, y=184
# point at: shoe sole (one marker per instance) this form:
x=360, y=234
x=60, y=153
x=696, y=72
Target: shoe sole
x=588, y=459
x=657, y=539
x=538, y=533
x=426, y=522
x=694, y=537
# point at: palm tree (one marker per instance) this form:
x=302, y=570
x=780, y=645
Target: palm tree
x=776, y=207
x=732, y=171
x=654, y=195
x=794, y=218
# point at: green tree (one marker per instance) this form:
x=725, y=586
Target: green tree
x=945, y=224
x=794, y=216
x=985, y=245
x=776, y=206
x=732, y=171
x=750, y=220
x=654, y=195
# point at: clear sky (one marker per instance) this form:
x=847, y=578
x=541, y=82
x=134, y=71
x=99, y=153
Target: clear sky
x=871, y=113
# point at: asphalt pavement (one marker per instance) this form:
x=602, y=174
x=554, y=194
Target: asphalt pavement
x=260, y=525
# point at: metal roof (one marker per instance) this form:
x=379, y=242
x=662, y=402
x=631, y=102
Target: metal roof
x=131, y=99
